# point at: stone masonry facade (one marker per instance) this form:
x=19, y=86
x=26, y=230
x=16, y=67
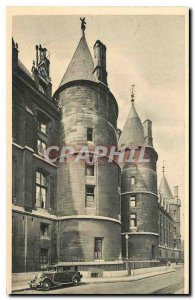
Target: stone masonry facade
x=95, y=215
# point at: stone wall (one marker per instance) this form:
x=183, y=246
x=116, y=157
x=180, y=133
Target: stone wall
x=77, y=239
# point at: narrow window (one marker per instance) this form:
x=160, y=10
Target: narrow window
x=160, y=253
x=174, y=231
x=41, y=147
x=132, y=180
x=89, y=171
x=153, y=251
x=90, y=195
x=133, y=220
x=41, y=190
x=44, y=228
x=89, y=134
x=44, y=258
x=174, y=212
x=98, y=247
x=132, y=201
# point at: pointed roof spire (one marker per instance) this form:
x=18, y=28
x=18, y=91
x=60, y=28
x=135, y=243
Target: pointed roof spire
x=81, y=66
x=132, y=93
x=133, y=131
x=164, y=188
x=163, y=167
x=83, y=27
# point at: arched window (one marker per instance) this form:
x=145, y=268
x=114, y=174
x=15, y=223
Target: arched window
x=41, y=190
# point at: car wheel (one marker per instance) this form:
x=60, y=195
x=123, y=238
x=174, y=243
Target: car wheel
x=46, y=285
x=76, y=280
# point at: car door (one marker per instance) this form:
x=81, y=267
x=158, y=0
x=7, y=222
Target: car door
x=60, y=276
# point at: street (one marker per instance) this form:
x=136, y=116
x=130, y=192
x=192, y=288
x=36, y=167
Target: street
x=168, y=283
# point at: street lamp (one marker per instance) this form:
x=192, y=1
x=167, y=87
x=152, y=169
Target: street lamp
x=166, y=254
x=127, y=252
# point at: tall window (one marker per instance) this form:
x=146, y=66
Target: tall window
x=42, y=132
x=89, y=134
x=132, y=180
x=89, y=170
x=44, y=230
x=133, y=220
x=41, y=146
x=98, y=247
x=44, y=258
x=132, y=201
x=41, y=190
x=42, y=127
x=90, y=195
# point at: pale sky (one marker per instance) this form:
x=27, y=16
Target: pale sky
x=147, y=51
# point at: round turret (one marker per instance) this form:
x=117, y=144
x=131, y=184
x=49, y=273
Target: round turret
x=88, y=193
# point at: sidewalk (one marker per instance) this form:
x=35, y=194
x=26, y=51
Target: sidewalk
x=25, y=285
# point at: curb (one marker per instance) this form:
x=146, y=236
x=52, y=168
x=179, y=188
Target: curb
x=130, y=278
x=125, y=279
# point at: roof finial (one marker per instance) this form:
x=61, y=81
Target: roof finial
x=83, y=23
x=132, y=93
x=163, y=167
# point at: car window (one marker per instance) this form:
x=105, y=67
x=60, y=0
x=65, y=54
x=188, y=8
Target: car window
x=51, y=269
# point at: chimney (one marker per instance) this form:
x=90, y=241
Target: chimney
x=148, y=132
x=100, y=62
x=14, y=54
x=175, y=191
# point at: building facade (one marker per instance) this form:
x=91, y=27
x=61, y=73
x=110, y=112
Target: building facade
x=91, y=214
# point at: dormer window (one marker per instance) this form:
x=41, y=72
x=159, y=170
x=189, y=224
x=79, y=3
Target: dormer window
x=41, y=89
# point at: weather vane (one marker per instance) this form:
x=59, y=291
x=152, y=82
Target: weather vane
x=83, y=23
x=163, y=167
x=132, y=93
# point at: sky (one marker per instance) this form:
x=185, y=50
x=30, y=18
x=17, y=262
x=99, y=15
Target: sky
x=148, y=51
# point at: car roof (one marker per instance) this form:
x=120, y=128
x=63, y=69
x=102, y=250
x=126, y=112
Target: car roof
x=61, y=265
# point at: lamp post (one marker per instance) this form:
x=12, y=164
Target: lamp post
x=127, y=252
x=166, y=254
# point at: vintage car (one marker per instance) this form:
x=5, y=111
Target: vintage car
x=56, y=276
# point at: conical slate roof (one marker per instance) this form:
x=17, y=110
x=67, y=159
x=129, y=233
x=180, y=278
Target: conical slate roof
x=164, y=188
x=81, y=66
x=133, y=132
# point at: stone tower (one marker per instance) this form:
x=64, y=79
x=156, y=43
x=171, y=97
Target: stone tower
x=139, y=200
x=172, y=204
x=88, y=199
